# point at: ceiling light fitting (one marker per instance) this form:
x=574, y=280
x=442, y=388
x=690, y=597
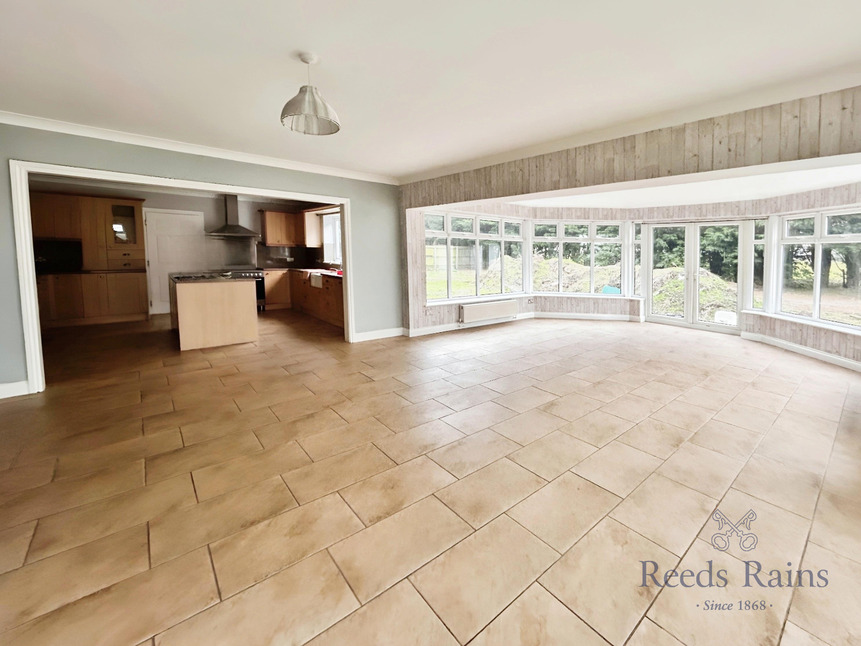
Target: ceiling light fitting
x=307, y=112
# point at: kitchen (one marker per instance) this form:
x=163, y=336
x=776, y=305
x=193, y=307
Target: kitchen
x=209, y=263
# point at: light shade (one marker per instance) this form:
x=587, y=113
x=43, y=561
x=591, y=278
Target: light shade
x=309, y=114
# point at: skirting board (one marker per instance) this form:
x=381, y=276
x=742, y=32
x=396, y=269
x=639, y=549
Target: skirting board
x=14, y=389
x=448, y=327
x=359, y=337
x=801, y=349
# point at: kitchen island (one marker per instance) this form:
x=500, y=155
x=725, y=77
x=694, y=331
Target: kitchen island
x=213, y=311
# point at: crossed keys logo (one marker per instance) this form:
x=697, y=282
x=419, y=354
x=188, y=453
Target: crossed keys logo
x=747, y=540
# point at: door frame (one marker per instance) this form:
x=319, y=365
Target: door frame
x=692, y=255
x=20, y=171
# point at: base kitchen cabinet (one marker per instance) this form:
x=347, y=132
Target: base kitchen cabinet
x=325, y=302
x=276, y=283
x=84, y=299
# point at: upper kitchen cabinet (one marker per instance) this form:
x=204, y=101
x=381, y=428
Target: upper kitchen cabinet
x=292, y=229
x=124, y=222
x=55, y=216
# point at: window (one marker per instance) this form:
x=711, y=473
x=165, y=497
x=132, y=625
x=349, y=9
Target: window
x=757, y=288
x=638, y=258
x=577, y=258
x=332, y=238
x=468, y=256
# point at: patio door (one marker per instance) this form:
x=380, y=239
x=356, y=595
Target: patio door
x=694, y=274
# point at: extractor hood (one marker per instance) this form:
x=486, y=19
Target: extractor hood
x=232, y=229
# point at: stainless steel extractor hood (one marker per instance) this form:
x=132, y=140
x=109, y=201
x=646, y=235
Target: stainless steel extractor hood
x=232, y=229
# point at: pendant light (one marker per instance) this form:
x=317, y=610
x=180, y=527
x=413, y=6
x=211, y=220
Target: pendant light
x=307, y=112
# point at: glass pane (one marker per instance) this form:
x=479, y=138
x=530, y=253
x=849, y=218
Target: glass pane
x=462, y=225
x=800, y=227
x=668, y=272
x=462, y=267
x=758, y=276
x=434, y=222
x=637, y=231
x=843, y=224
x=513, y=274
x=512, y=229
x=608, y=269
x=576, y=230
x=490, y=227
x=123, y=224
x=575, y=267
x=840, y=300
x=545, y=230
x=717, y=275
x=797, y=294
x=545, y=266
x=607, y=230
x=638, y=287
x=435, y=268
x=759, y=229
x=490, y=271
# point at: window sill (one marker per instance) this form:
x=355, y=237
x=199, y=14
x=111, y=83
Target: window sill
x=500, y=297
x=822, y=325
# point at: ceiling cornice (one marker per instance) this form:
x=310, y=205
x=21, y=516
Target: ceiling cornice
x=52, y=125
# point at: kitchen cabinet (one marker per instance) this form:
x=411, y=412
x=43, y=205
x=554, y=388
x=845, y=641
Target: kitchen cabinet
x=312, y=229
x=95, y=288
x=292, y=229
x=325, y=302
x=277, y=286
x=126, y=259
x=123, y=223
x=94, y=246
x=127, y=294
x=100, y=297
x=55, y=216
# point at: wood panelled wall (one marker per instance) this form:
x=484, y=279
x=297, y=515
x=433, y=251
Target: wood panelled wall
x=842, y=344
x=817, y=126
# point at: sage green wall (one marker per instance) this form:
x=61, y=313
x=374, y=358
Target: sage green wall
x=374, y=213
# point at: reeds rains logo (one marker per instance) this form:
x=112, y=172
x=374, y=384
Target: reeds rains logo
x=727, y=534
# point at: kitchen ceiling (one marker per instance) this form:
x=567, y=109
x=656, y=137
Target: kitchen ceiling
x=421, y=88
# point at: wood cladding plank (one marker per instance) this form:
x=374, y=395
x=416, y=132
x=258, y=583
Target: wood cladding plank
x=720, y=159
x=808, y=128
x=789, y=129
x=830, y=108
x=692, y=147
x=753, y=137
x=705, y=146
x=771, y=134
x=736, y=140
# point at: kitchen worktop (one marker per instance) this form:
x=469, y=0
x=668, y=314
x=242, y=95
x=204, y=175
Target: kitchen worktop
x=92, y=271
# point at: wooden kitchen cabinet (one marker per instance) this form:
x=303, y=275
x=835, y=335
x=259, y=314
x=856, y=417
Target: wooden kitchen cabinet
x=292, y=229
x=94, y=246
x=123, y=223
x=325, y=303
x=82, y=299
x=127, y=294
x=55, y=216
x=95, y=288
x=277, y=286
x=312, y=229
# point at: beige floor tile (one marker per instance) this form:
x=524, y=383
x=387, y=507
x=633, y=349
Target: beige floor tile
x=789, y=488
x=33, y=590
x=186, y=529
x=665, y=512
x=77, y=464
x=282, y=432
x=161, y=597
x=727, y=385
x=379, y=386
x=631, y=407
x=465, y=585
x=429, y=390
x=370, y=407
x=815, y=405
x=753, y=419
x=795, y=636
x=288, y=608
x=177, y=418
x=707, y=398
x=599, y=577
x=701, y=469
x=564, y=385
x=77, y=526
x=419, y=440
x=255, y=553
x=390, y=491
x=527, y=427
x=617, y=467
x=511, y=383
x=329, y=443
x=571, y=407
x=553, y=454
x=479, y=417
x=808, y=453
x=594, y=373
x=598, y=428
x=683, y=415
x=416, y=377
x=564, y=510
x=26, y=477
x=483, y=495
x=658, y=391
x=58, y=496
x=604, y=391
x=239, y=472
x=14, y=543
x=837, y=525
x=679, y=610
x=649, y=633
x=413, y=415
x=469, y=454
x=657, y=438
x=227, y=422
x=320, y=478
x=201, y=455
x=525, y=399
x=398, y=616
x=771, y=402
x=459, y=400
x=536, y=617
x=376, y=558
x=807, y=425
x=735, y=442
x=472, y=377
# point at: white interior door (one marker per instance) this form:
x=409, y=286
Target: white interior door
x=175, y=241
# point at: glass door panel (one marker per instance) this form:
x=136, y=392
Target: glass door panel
x=668, y=272
x=717, y=274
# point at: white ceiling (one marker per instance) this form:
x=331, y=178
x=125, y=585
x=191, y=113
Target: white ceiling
x=420, y=87
x=706, y=191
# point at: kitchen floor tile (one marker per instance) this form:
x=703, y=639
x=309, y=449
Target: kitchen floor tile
x=617, y=467
x=598, y=428
x=320, y=478
x=14, y=543
x=462, y=457
x=553, y=454
x=479, y=417
x=419, y=440
x=201, y=455
x=328, y=443
x=701, y=469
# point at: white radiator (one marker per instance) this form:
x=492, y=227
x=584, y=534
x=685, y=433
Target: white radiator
x=475, y=312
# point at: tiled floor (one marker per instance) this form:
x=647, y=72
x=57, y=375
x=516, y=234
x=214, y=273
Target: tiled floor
x=496, y=486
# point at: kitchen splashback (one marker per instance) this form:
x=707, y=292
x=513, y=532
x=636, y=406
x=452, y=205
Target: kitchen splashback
x=270, y=257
